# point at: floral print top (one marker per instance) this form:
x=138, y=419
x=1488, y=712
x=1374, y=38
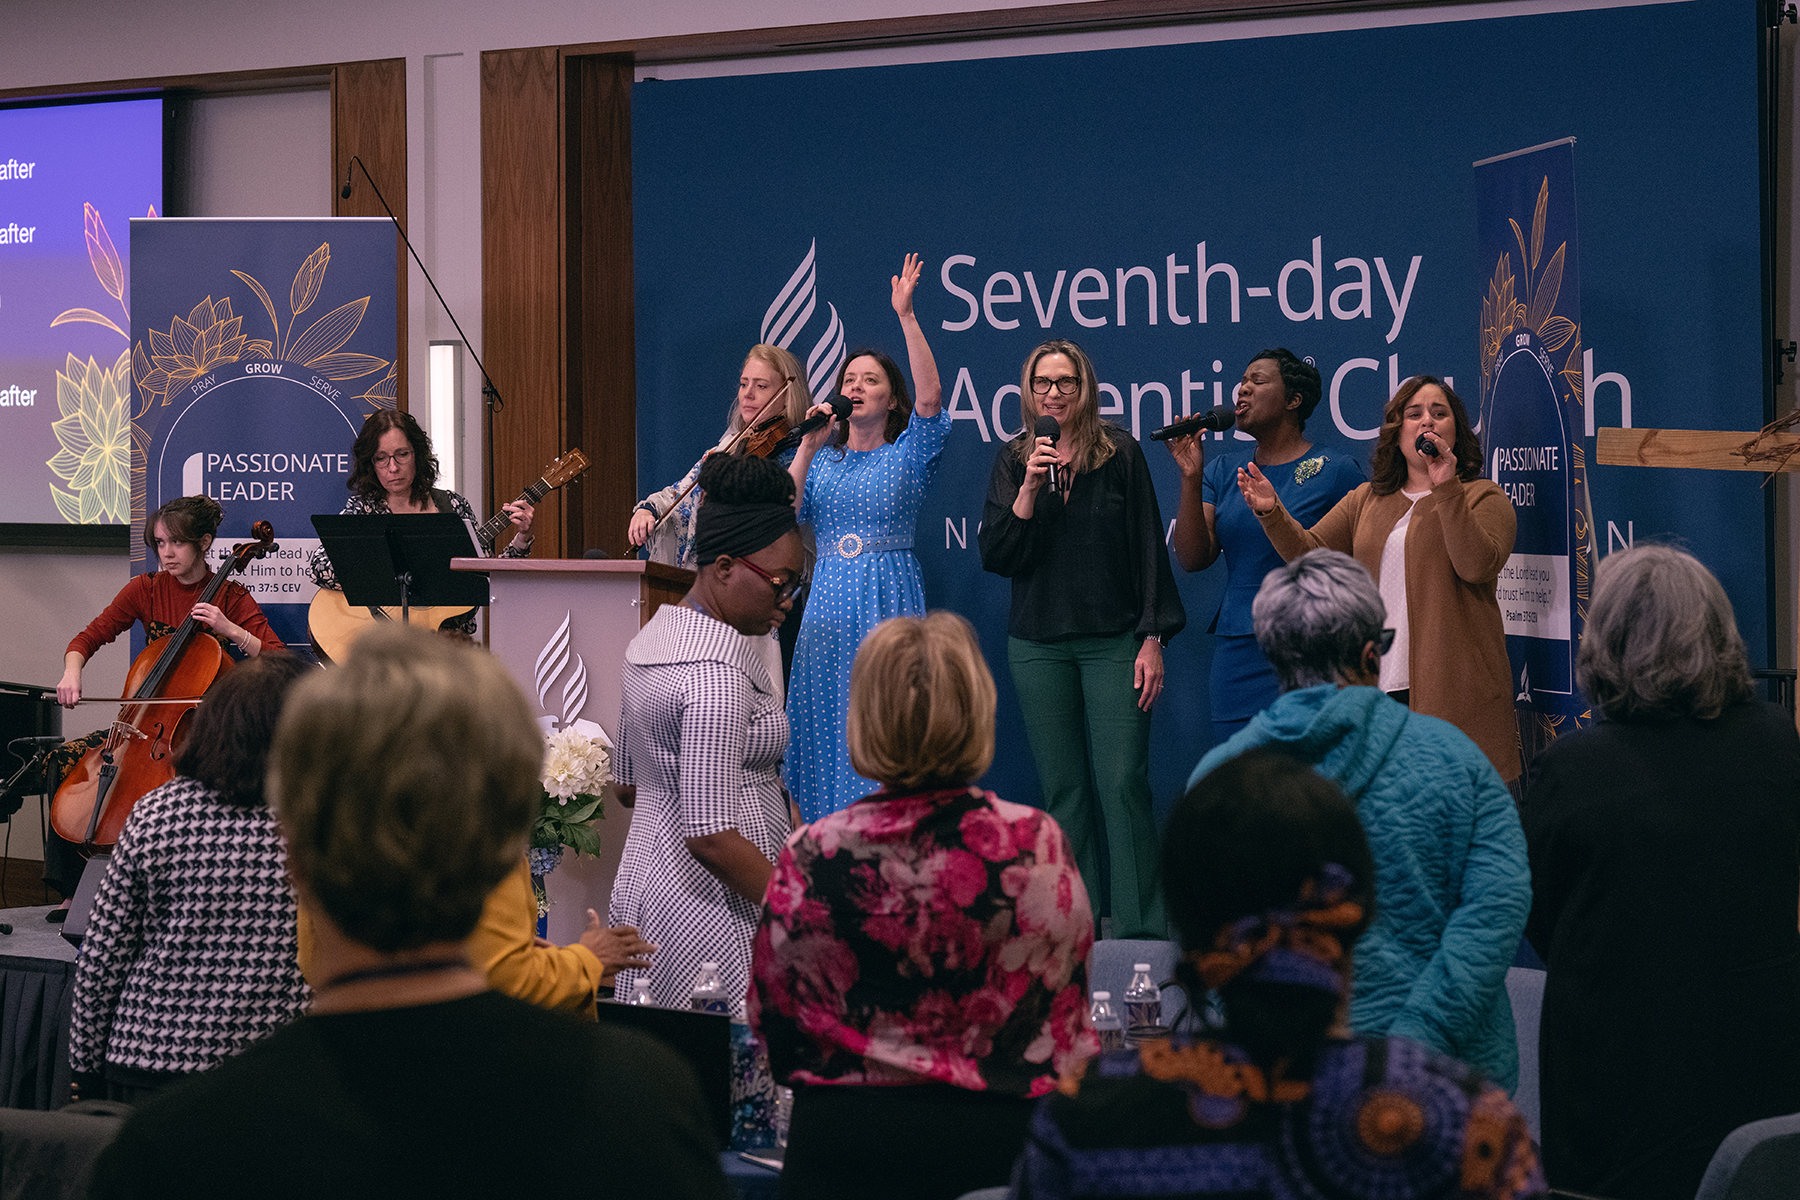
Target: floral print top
x=936, y=936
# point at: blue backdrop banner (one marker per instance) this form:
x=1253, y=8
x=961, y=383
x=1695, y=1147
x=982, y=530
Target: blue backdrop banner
x=1532, y=419
x=1177, y=208
x=258, y=347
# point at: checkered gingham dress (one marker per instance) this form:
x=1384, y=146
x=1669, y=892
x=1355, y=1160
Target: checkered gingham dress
x=701, y=735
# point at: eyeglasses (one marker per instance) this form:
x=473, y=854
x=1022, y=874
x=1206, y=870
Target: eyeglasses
x=399, y=458
x=784, y=588
x=1064, y=384
x=1386, y=641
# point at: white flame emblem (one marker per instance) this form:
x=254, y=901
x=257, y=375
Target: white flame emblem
x=790, y=312
x=552, y=662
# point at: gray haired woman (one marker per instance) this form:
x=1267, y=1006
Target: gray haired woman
x=1665, y=858
x=1449, y=854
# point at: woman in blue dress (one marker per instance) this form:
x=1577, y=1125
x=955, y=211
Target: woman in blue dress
x=1275, y=397
x=861, y=495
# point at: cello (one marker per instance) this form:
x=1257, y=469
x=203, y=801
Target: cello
x=138, y=754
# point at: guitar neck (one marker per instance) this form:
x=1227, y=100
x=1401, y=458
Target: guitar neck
x=496, y=524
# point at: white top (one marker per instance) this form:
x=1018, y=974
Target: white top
x=1396, y=668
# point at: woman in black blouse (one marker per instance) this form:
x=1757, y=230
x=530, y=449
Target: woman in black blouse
x=1093, y=601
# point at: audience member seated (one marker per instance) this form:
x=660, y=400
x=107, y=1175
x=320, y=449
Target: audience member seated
x=1270, y=881
x=919, y=973
x=405, y=782
x=1449, y=853
x=1665, y=867
x=189, y=954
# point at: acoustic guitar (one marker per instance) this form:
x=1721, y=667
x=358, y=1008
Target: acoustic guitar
x=334, y=623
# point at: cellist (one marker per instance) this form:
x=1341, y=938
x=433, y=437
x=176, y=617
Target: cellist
x=179, y=535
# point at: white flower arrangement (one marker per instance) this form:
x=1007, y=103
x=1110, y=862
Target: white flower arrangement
x=575, y=764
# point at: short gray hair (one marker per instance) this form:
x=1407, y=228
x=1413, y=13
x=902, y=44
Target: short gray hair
x=1314, y=615
x=1661, y=640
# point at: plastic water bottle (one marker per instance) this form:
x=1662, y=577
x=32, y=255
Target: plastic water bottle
x=708, y=994
x=1107, y=1024
x=640, y=991
x=1143, y=999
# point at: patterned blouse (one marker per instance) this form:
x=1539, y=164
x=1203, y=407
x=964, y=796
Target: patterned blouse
x=934, y=936
x=319, y=564
x=1381, y=1119
x=192, y=952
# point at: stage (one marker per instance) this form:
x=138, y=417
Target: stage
x=37, y=985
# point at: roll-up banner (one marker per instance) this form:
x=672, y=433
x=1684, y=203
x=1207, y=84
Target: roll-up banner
x=258, y=347
x=1532, y=421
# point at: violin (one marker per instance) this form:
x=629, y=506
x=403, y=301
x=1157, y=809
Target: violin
x=757, y=439
x=766, y=435
x=138, y=754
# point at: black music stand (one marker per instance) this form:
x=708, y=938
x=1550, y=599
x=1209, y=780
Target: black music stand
x=402, y=559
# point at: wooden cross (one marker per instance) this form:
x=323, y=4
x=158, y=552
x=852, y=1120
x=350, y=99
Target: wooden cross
x=1775, y=449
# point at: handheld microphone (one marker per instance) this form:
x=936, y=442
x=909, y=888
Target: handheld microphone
x=840, y=408
x=344, y=192
x=1426, y=446
x=1050, y=427
x=1215, y=419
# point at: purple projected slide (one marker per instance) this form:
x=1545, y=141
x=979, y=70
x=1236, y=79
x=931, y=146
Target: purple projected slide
x=71, y=179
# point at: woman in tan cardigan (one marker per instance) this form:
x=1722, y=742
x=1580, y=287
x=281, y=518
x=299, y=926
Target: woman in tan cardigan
x=1434, y=535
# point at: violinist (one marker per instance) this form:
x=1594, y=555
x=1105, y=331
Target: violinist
x=767, y=369
x=179, y=535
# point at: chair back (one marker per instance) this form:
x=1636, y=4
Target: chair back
x=1525, y=988
x=1758, y=1161
x=50, y=1155
x=1109, y=970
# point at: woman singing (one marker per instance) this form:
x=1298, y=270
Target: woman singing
x=394, y=471
x=178, y=534
x=862, y=498
x=1093, y=601
x=701, y=738
x=1274, y=399
x=1434, y=535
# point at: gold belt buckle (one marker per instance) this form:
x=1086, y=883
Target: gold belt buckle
x=849, y=546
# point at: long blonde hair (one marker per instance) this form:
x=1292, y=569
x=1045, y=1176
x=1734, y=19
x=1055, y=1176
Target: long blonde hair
x=1084, y=428
x=799, y=396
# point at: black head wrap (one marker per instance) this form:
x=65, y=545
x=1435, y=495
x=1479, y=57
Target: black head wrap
x=749, y=505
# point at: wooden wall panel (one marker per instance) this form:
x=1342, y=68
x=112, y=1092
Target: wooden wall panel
x=368, y=120
x=522, y=296
x=601, y=362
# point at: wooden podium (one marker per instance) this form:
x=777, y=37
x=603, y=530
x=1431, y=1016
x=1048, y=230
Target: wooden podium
x=561, y=626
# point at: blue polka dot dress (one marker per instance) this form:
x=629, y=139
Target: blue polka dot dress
x=863, y=507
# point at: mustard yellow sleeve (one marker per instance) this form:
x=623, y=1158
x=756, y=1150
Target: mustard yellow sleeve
x=504, y=946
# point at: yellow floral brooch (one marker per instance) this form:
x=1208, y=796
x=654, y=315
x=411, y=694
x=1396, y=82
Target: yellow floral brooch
x=1308, y=467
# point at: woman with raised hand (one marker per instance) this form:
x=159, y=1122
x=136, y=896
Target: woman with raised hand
x=862, y=497
x=1276, y=396
x=919, y=973
x=702, y=736
x=1093, y=601
x=1434, y=535
x=393, y=470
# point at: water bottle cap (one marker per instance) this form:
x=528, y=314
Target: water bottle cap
x=1140, y=966
x=1103, y=995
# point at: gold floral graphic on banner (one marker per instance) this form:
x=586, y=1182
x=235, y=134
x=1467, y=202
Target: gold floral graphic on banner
x=212, y=335
x=98, y=440
x=1502, y=312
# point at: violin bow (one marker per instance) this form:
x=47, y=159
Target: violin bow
x=726, y=449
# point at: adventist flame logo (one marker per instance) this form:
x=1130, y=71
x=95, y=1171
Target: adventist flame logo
x=792, y=309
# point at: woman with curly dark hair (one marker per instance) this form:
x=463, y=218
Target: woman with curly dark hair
x=1435, y=535
x=1273, y=401
x=393, y=470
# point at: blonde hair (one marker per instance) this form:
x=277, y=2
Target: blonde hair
x=921, y=704
x=405, y=780
x=1084, y=429
x=799, y=396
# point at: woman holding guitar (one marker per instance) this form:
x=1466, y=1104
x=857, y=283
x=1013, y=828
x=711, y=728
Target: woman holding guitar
x=393, y=470
x=179, y=534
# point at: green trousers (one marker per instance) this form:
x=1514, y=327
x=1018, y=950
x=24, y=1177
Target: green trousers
x=1092, y=746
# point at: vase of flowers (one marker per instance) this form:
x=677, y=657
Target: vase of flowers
x=577, y=768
